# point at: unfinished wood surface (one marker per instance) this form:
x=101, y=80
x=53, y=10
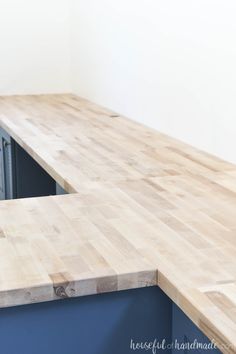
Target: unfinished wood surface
x=147, y=210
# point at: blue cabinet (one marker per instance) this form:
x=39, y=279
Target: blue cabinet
x=6, y=168
x=97, y=324
x=186, y=333
x=20, y=175
x=114, y=323
x=30, y=179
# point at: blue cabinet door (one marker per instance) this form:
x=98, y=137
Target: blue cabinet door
x=97, y=324
x=186, y=333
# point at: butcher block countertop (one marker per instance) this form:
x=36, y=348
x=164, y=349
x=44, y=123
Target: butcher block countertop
x=144, y=209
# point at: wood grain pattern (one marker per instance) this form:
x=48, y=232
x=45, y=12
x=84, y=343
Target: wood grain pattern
x=145, y=210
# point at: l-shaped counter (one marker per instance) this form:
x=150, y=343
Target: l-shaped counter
x=143, y=209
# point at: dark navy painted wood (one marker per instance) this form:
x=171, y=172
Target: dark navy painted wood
x=185, y=331
x=98, y=324
x=30, y=179
x=2, y=178
x=6, y=177
x=20, y=175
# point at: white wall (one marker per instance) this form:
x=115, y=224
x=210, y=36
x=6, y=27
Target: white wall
x=34, y=46
x=170, y=64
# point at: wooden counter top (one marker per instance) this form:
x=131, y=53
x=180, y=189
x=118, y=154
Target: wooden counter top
x=149, y=210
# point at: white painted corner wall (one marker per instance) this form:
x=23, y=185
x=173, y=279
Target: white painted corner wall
x=34, y=46
x=168, y=64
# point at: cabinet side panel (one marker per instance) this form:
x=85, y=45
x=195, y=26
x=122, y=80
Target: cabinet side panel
x=31, y=180
x=2, y=178
x=97, y=324
x=186, y=333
